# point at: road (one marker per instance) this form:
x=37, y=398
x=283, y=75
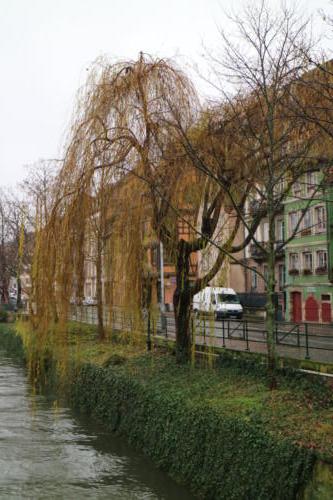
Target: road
x=292, y=340
x=301, y=341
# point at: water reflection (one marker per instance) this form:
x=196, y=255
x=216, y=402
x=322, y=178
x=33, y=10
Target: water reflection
x=48, y=452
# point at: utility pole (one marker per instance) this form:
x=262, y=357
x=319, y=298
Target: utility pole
x=162, y=277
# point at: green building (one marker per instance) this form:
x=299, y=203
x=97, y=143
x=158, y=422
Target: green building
x=309, y=255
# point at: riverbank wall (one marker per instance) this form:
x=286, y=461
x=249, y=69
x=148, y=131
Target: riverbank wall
x=219, y=455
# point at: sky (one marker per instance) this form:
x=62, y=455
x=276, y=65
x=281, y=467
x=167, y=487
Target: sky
x=48, y=46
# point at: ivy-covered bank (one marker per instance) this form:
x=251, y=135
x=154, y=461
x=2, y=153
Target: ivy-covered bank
x=219, y=431
x=220, y=456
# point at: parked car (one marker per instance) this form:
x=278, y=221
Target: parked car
x=89, y=301
x=222, y=302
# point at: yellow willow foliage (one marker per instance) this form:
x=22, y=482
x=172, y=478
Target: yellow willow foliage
x=21, y=242
x=313, y=95
x=291, y=126
x=123, y=168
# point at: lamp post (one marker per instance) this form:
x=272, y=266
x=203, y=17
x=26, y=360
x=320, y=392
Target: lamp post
x=162, y=305
x=162, y=298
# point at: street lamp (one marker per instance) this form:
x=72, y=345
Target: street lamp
x=162, y=304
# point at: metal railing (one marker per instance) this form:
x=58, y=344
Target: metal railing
x=295, y=340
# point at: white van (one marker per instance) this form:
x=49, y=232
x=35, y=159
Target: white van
x=223, y=302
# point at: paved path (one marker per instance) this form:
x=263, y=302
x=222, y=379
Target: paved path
x=293, y=342
x=313, y=342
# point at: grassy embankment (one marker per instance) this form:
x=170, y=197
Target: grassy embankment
x=219, y=430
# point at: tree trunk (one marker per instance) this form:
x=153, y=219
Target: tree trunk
x=99, y=292
x=4, y=290
x=270, y=325
x=270, y=306
x=182, y=305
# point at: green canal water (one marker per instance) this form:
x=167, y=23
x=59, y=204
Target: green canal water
x=49, y=452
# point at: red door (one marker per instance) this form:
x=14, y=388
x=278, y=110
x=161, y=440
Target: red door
x=311, y=309
x=296, y=300
x=326, y=312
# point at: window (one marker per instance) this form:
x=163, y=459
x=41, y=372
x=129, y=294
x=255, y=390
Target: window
x=307, y=220
x=89, y=269
x=254, y=279
x=205, y=261
x=265, y=273
x=281, y=276
x=310, y=182
x=88, y=290
x=307, y=223
x=168, y=256
x=320, y=219
x=293, y=221
x=297, y=188
x=280, y=186
x=293, y=262
x=257, y=234
x=93, y=287
x=266, y=231
x=307, y=261
x=280, y=230
x=184, y=229
x=229, y=299
x=322, y=259
x=326, y=298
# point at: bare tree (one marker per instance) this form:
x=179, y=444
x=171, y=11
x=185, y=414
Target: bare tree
x=16, y=242
x=38, y=192
x=275, y=144
x=4, y=238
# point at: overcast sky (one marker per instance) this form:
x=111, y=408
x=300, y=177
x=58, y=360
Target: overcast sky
x=46, y=47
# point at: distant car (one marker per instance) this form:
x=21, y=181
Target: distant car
x=89, y=301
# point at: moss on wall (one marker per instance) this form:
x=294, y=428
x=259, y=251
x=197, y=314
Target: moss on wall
x=321, y=485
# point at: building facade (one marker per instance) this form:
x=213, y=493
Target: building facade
x=309, y=289
x=304, y=264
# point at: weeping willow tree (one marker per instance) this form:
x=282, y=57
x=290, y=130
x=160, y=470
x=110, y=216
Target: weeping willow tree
x=107, y=186
x=139, y=149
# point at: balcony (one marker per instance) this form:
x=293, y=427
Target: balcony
x=306, y=231
x=307, y=272
x=256, y=252
x=256, y=205
x=293, y=272
x=279, y=251
x=321, y=270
